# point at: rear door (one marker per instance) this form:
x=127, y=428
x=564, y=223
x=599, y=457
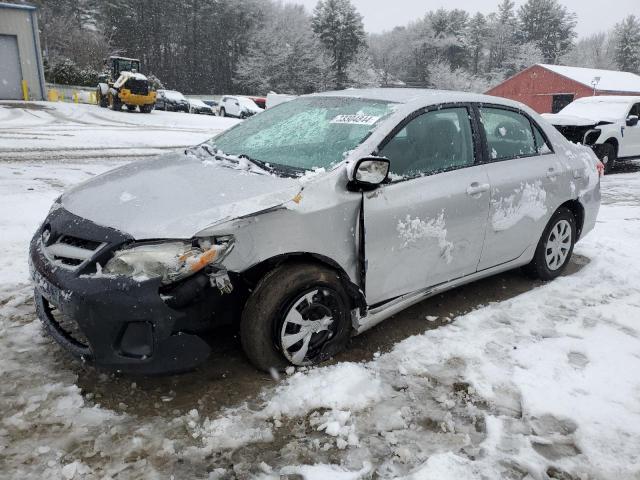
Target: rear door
x=527, y=183
x=427, y=225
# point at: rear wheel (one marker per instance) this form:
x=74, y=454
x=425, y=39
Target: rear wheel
x=103, y=101
x=297, y=315
x=131, y=108
x=608, y=155
x=146, y=108
x=115, y=103
x=555, y=248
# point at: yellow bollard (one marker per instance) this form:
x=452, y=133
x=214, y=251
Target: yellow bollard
x=52, y=96
x=25, y=90
x=75, y=96
x=92, y=98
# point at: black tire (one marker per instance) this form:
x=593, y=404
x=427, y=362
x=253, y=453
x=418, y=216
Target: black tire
x=131, y=108
x=116, y=104
x=264, y=323
x=103, y=101
x=223, y=112
x=146, y=108
x=608, y=155
x=540, y=267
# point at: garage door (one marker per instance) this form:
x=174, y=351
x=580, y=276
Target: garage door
x=10, y=71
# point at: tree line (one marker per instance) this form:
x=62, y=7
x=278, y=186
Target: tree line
x=256, y=46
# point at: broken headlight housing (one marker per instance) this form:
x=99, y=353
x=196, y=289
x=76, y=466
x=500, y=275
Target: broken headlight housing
x=170, y=261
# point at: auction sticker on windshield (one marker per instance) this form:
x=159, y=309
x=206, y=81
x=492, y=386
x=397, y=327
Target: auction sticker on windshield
x=357, y=119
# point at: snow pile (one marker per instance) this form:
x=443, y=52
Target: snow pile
x=541, y=386
x=413, y=230
x=527, y=201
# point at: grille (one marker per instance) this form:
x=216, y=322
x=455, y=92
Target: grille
x=69, y=327
x=137, y=87
x=71, y=252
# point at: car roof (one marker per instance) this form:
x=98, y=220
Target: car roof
x=413, y=95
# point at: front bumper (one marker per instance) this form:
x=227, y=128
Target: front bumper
x=117, y=322
x=130, y=98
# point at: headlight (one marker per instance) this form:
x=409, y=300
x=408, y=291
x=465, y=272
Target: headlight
x=170, y=261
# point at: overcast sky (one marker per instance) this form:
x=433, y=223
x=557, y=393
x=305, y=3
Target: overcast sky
x=379, y=15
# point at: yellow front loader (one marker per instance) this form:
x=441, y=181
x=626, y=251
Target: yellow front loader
x=124, y=85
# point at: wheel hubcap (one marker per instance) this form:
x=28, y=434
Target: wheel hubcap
x=308, y=325
x=558, y=245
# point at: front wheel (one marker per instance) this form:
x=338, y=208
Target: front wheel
x=223, y=112
x=297, y=315
x=555, y=248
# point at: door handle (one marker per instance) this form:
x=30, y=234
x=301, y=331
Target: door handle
x=477, y=188
x=551, y=173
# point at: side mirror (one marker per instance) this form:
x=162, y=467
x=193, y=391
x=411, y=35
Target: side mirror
x=370, y=172
x=632, y=121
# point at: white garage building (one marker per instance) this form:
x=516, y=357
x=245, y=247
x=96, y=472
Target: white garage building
x=20, y=55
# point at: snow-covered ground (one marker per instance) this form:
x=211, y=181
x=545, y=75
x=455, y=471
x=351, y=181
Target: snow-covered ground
x=64, y=131
x=544, y=385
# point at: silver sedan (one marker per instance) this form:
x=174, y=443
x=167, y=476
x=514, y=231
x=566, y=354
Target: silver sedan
x=307, y=224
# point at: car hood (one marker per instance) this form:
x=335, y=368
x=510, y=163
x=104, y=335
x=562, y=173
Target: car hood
x=176, y=196
x=573, y=121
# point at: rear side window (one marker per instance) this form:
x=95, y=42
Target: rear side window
x=635, y=110
x=509, y=134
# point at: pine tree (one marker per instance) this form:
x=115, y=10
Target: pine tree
x=627, y=44
x=502, y=35
x=478, y=31
x=283, y=55
x=549, y=25
x=340, y=30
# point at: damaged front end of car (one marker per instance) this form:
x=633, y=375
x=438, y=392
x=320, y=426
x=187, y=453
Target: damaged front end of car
x=137, y=307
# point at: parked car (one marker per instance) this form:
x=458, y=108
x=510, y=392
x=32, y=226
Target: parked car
x=307, y=224
x=239, y=107
x=259, y=101
x=172, y=101
x=609, y=124
x=198, y=106
x=274, y=99
x=213, y=104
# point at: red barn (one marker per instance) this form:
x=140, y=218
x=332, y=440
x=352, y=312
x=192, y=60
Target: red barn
x=550, y=88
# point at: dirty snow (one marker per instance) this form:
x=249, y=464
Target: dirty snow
x=539, y=386
x=527, y=201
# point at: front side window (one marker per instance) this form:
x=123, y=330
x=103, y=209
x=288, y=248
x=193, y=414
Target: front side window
x=635, y=110
x=433, y=142
x=509, y=134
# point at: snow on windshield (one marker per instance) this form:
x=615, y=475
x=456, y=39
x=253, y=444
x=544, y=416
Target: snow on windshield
x=305, y=133
x=602, y=110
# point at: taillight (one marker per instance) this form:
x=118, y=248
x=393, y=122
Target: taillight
x=600, y=167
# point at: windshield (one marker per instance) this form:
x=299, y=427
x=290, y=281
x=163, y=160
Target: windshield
x=306, y=133
x=597, y=110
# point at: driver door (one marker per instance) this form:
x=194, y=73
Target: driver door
x=427, y=225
